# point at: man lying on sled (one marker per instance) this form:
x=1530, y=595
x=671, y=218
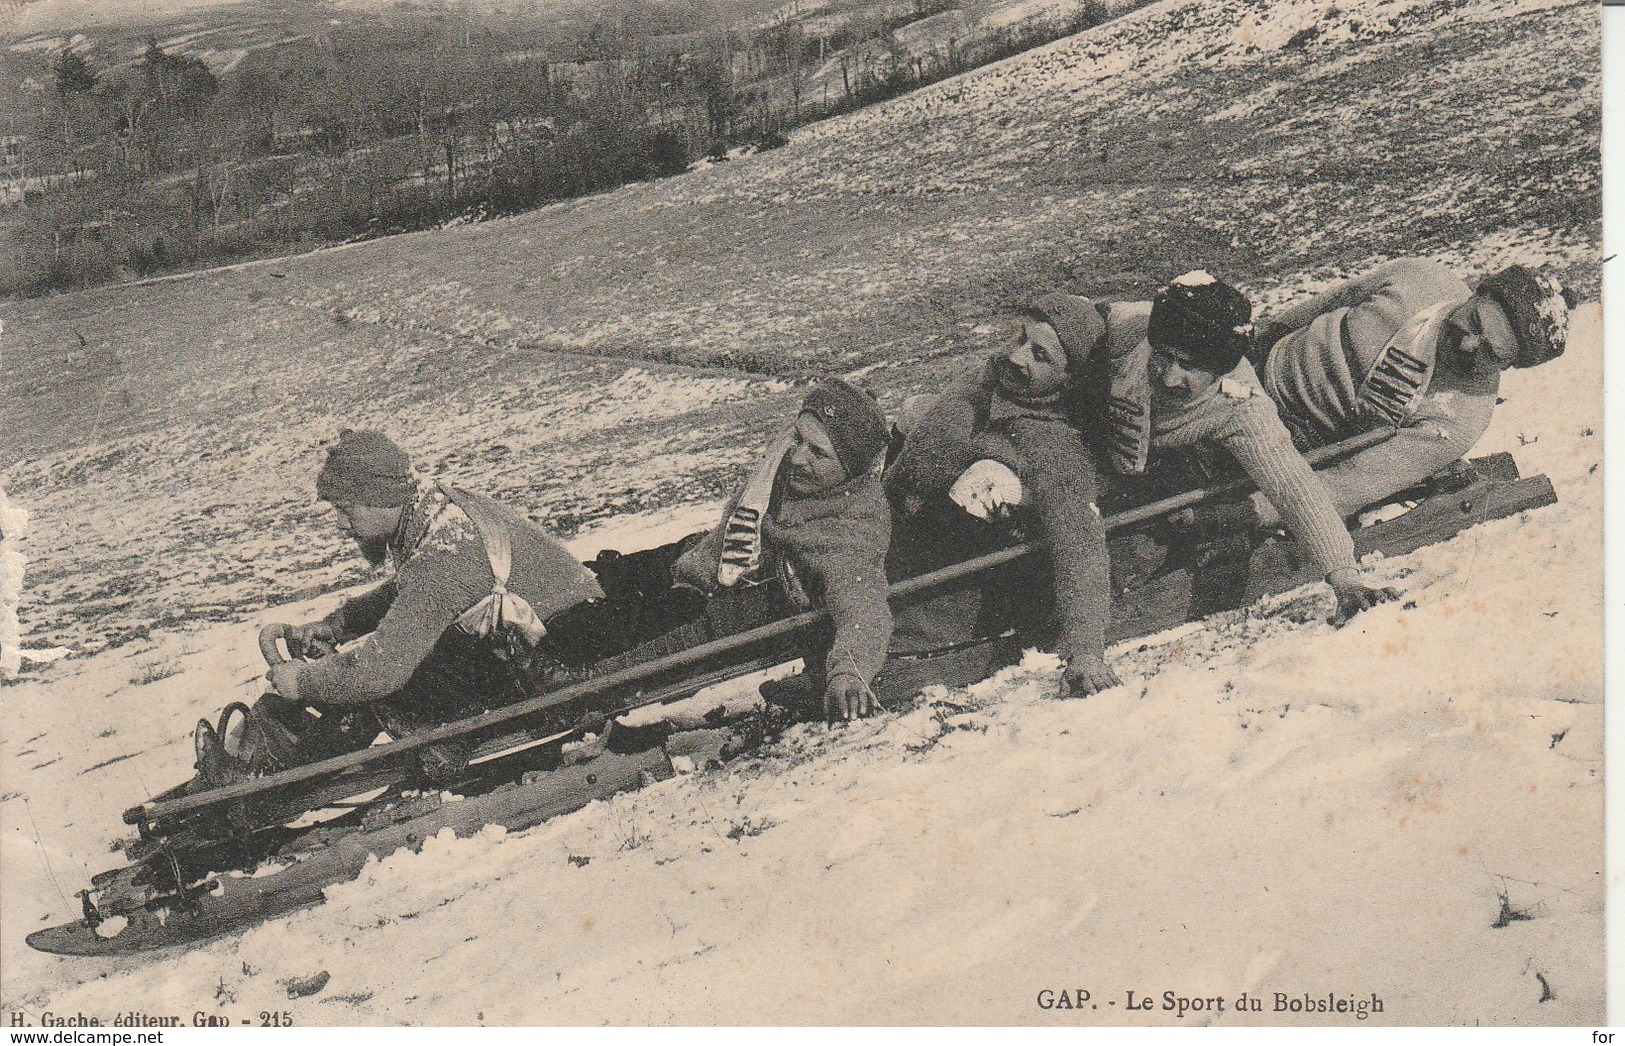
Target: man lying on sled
x=453, y=632
x=1407, y=345
x=813, y=525
x=1182, y=398
x=1004, y=447
x=808, y=529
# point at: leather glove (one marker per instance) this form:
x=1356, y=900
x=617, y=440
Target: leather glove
x=313, y=640
x=847, y=698
x=1352, y=596
x=988, y=490
x=1087, y=675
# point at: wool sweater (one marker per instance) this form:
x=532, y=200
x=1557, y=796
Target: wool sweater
x=828, y=551
x=1324, y=349
x=1043, y=445
x=440, y=570
x=1234, y=415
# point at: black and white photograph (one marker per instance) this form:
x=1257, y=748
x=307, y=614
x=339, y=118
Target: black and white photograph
x=1069, y=513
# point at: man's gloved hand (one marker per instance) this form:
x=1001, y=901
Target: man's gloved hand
x=1353, y=596
x=284, y=680
x=316, y=639
x=988, y=490
x=1087, y=675
x=847, y=698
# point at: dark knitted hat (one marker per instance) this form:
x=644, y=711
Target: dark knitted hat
x=366, y=468
x=1204, y=318
x=854, y=421
x=1076, y=321
x=1538, y=308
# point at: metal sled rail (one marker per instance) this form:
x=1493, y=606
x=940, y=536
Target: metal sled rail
x=631, y=677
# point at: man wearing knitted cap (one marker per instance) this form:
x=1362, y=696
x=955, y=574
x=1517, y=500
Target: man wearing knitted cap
x=813, y=519
x=1177, y=381
x=1407, y=345
x=1005, y=440
x=422, y=654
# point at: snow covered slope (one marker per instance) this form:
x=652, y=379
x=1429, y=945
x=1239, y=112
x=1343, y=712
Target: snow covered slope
x=1266, y=805
x=1411, y=806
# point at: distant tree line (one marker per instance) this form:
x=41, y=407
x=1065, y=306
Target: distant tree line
x=414, y=120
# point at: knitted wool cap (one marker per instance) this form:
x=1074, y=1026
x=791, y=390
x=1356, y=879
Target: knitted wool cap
x=366, y=468
x=854, y=421
x=1204, y=318
x=1076, y=321
x=1538, y=308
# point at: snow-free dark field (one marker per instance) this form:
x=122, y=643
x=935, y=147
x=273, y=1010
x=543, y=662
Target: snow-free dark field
x=1266, y=805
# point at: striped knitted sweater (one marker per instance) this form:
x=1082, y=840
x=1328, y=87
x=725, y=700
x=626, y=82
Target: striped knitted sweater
x=1236, y=416
x=1325, y=348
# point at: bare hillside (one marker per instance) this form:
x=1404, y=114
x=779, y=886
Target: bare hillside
x=153, y=428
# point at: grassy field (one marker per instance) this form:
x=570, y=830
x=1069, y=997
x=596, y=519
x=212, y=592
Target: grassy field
x=633, y=349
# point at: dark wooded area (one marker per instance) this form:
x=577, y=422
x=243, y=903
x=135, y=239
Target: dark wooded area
x=115, y=167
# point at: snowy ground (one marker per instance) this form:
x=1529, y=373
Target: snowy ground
x=1266, y=806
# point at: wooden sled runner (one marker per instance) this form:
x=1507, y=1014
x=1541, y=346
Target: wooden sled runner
x=211, y=862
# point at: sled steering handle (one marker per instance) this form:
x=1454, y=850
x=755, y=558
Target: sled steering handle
x=268, y=638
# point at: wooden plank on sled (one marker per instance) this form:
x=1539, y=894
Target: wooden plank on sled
x=1189, y=594
x=229, y=902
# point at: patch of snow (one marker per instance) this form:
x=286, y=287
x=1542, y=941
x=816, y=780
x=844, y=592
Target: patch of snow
x=111, y=927
x=13, y=524
x=43, y=655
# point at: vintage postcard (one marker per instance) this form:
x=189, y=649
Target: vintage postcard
x=839, y=512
